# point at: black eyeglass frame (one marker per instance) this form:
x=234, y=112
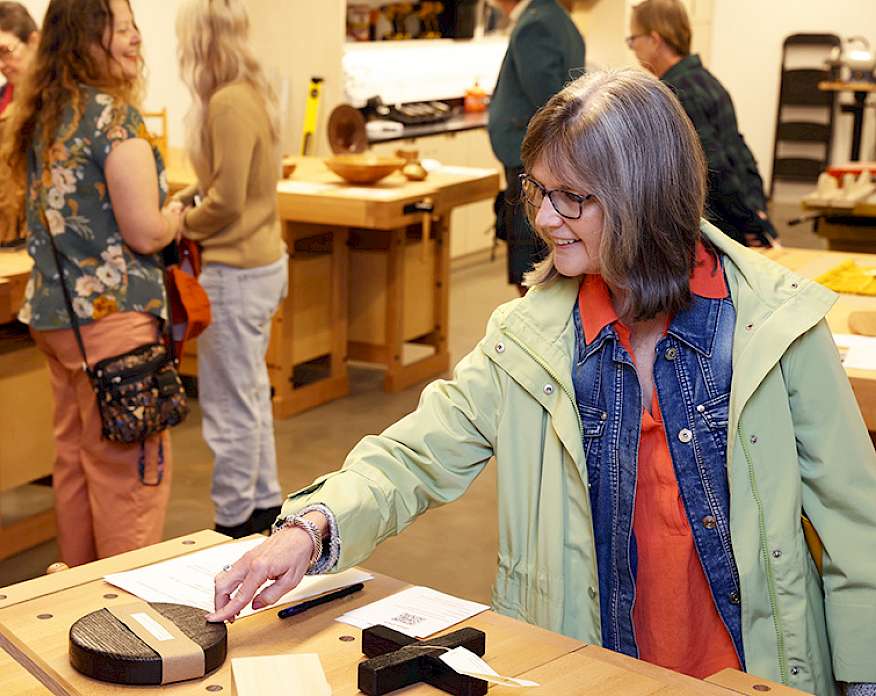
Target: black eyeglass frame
x=579, y=198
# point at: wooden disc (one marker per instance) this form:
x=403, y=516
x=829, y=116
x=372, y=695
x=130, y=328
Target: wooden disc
x=346, y=130
x=104, y=648
x=863, y=323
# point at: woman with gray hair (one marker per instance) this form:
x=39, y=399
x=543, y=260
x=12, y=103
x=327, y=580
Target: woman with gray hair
x=626, y=399
x=233, y=143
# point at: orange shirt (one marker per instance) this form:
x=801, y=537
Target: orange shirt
x=677, y=625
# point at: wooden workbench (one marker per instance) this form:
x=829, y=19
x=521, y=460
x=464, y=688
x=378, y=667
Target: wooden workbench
x=35, y=618
x=369, y=275
x=26, y=435
x=813, y=263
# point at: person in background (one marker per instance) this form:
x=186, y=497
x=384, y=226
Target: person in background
x=662, y=406
x=94, y=187
x=545, y=51
x=18, y=42
x=233, y=144
x=660, y=36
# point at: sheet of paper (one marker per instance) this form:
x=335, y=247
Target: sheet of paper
x=280, y=675
x=312, y=187
x=464, y=661
x=416, y=611
x=189, y=579
x=857, y=352
x=464, y=171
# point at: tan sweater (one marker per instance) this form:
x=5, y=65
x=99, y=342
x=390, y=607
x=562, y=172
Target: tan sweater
x=236, y=222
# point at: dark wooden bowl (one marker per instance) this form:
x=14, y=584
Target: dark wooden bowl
x=104, y=648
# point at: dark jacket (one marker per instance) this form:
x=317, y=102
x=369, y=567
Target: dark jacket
x=545, y=51
x=735, y=187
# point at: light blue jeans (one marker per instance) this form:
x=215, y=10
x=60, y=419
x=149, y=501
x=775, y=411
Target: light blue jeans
x=234, y=390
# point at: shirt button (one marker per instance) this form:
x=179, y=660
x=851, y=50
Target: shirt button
x=734, y=598
x=592, y=592
x=685, y=435
x=709, y=522
x=701, y=409
x=500, y=347
x=603, y=416
x=548, y=389
x=671, y=353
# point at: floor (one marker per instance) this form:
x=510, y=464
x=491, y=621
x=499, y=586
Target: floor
x=453, y=548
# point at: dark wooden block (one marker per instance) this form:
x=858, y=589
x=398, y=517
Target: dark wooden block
x=396, y=661
x=104, y=648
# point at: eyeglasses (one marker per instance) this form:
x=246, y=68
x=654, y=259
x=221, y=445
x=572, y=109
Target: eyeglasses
x=9, y=51
x=632, y=37
x=567, y=204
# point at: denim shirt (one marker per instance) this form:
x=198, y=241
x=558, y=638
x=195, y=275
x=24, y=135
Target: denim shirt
x=692, y=371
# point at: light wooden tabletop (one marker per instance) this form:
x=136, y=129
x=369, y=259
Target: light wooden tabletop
x=36, y=616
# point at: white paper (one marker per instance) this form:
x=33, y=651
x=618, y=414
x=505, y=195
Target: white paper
x=295, y=186
x=189, y=579
x=464, y=171
x=416, y=611
x=464, y=661
x=280, y=675
x=857, y=352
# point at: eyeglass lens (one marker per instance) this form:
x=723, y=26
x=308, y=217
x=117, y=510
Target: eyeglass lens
x=563, y=202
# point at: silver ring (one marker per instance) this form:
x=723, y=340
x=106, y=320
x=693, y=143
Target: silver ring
x=226, y=568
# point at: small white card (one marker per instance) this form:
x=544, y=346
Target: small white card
x=856, y=352
x=280, y=675
x=464, y=661
x=416, y=611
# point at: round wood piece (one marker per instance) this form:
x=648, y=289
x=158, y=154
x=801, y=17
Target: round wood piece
x=104, y=648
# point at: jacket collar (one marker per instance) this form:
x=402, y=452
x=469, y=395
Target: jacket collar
x=689, y=63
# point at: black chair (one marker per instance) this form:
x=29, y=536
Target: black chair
x=799, y=89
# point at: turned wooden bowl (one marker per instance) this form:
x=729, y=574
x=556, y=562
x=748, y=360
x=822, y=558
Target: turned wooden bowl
x=363, y=169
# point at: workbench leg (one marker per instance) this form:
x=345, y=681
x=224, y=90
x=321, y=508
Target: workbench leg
x=395, y=297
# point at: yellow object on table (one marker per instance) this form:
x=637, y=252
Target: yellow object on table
x=850, y=278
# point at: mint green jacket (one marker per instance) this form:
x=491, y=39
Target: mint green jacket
x=797, y=442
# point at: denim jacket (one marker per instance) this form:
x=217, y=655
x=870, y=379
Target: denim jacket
x=692, y=372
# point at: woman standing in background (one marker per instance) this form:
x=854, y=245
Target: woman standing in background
x=233, y=143
x=18, y=42
x=94, y=187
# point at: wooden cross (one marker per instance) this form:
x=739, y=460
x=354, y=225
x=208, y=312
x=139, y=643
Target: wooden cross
x=396, y=660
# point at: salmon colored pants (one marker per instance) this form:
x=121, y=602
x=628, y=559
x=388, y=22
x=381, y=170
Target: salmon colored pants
x=101, y=504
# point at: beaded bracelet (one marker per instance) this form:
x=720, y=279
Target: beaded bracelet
x=312, y=531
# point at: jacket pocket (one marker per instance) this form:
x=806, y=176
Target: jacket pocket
x=715, y=414
x=593, y=422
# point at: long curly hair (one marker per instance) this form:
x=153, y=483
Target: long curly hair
x=214, y=51
x=74, y=49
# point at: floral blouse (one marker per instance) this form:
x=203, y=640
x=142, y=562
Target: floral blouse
x=68, y=199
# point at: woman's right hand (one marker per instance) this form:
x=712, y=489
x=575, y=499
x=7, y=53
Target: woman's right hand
x=284, y=558
x=173, y=212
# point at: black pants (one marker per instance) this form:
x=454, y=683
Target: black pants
x=525, y=247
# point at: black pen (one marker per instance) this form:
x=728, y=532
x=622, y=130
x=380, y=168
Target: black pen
x=310, y=603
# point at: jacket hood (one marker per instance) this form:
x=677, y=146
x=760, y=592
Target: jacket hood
x=774, y=306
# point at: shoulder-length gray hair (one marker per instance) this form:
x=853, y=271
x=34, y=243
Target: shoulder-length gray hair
x=214, y=51
x=623, y=136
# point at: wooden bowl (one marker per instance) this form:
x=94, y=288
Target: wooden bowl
x=363, y=169
x=288, y=168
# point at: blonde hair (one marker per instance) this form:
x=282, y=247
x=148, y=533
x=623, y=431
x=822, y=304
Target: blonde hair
x=214, y=51
x=669, y=19
x=623, y=136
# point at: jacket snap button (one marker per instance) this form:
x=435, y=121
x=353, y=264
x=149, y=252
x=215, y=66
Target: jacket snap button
x=592, y=592
x=777, y=553
x=701, y=409
x=734, y=598
x=795, y=670
x=500, y=347
x=603, y=416
x=749, y=327
x=754, y=439
x=709, y=522
x=548, y=389
x=794, y=286
x=671, y=353
x=685, y=435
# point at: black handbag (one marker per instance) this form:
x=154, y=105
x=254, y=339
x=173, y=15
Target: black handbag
x=139, y=393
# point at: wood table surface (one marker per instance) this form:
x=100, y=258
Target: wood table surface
x=36, y=616
x=15, y=265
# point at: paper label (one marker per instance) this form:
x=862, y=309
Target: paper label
x=464, y=661
x=155, y=629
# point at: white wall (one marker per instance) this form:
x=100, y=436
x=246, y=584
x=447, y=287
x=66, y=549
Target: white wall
x=747, y=40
